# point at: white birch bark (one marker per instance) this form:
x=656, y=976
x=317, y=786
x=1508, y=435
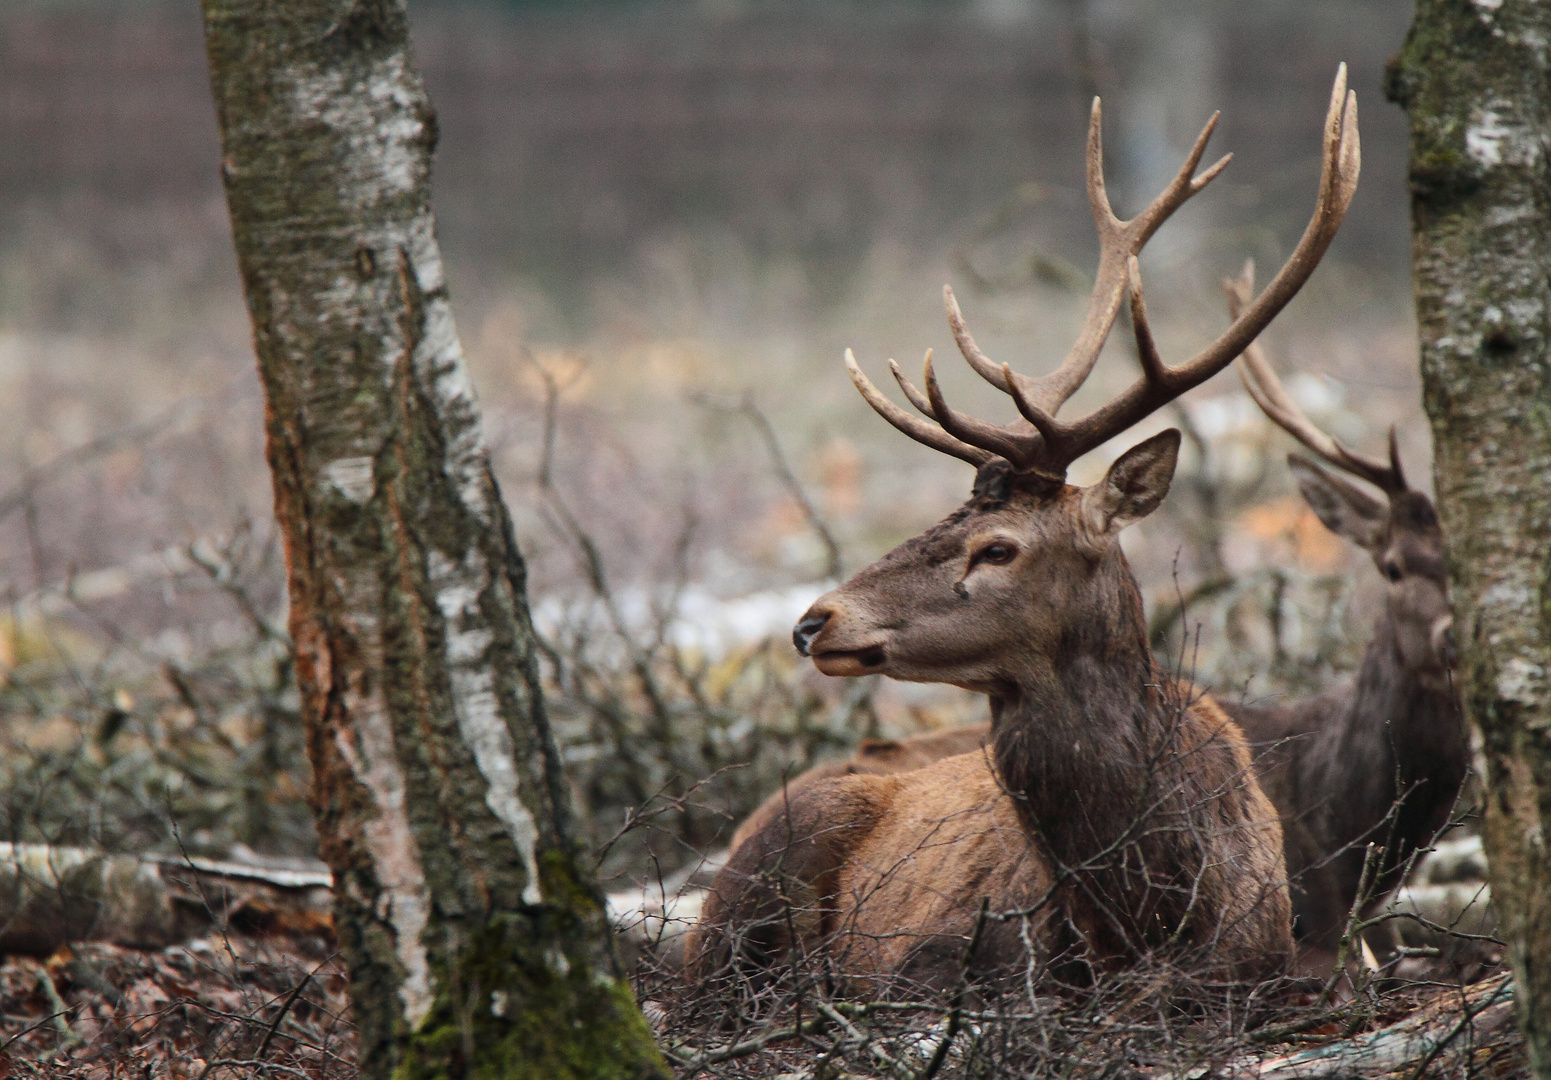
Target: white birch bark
x=474, y=938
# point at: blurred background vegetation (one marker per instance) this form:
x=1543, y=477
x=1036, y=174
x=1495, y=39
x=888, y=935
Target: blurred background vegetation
x=663, y=222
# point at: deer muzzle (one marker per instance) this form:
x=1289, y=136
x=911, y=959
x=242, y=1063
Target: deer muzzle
x=808, y=628
x=821, y=623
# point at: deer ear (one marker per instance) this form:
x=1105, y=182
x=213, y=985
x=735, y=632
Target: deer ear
x=1346, y=509
x=1134, y=486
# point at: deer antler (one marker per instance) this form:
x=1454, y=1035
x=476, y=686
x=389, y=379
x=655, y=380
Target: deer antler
x=1053, y=445
x=1277, y=403
x=1118, y=241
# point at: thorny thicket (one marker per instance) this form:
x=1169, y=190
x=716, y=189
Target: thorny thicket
x=1152, y=1020
x=189, y=740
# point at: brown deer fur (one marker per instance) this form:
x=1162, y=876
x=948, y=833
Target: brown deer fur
x=1130, y=804
x=875, y=757
x=1382, y=761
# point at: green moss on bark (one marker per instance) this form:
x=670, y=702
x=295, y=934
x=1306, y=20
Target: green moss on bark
x=1442, y=171
x=574, y=1022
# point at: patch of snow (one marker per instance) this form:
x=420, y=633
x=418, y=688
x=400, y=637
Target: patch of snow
x=1522, y=681
x=1227, y=414
x=700, y=620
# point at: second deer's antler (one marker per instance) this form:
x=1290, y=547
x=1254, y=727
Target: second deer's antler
x=1048, y=446
x=1267, y=390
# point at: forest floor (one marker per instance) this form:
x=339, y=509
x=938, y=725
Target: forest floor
x=220, y=1006
x=275, y=1006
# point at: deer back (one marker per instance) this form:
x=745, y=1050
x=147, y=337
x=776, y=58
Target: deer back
x=876, y=757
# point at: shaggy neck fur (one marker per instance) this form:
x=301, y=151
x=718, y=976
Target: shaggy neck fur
x=1087, y=741
x=1417, y=751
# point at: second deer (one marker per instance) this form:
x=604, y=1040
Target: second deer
x=1117, y=817
x=1381, y=761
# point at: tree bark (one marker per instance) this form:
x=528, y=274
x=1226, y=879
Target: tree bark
x=476, y=940
x=1473, y=76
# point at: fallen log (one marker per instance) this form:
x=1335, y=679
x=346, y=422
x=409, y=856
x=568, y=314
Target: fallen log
x=52, y=896
x=1430, y=1041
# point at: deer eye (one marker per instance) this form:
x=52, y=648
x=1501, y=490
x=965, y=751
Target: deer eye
x=1392, y=569
x=997, y=554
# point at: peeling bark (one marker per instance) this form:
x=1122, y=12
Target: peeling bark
x=476, y=941
x=1475, y=80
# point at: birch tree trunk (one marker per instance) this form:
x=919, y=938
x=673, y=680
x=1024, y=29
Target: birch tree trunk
x=476, y=941
x=1474, y=77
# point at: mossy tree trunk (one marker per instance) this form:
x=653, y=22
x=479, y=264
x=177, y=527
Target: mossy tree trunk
x=476, y=941
x=1474, y=77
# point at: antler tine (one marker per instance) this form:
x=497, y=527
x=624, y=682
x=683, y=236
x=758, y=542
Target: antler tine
x=916, y=398
x=1394, y=459
x=991, y=372
x=1104, y=219
x=917, y=429
x=1159, y=385
x=1263, y=385
x=1053, y=445
x=1146, y=348
x=1185, y=184
x=1119, y=241
x=1017, y=447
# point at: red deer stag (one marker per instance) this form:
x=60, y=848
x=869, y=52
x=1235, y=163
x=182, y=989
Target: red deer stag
x=1117, y=816
x=1382, y=760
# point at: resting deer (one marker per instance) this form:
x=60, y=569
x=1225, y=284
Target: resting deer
x=1116, y=815
x=1382, y=760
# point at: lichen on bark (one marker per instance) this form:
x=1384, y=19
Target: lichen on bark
x=476, y=943
x=1474, y=79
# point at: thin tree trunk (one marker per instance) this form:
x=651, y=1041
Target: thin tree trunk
x=476, y=940
x=1474, y=77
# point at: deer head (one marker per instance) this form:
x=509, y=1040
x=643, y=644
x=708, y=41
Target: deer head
x=1021, y=567
x=1028, y=575
x=1400, y=531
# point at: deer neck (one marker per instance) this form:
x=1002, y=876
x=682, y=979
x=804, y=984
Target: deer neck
x=1075, y=725
x=1397, y=732
x=1083, y=743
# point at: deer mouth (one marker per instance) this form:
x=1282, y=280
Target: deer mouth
x=850, y=661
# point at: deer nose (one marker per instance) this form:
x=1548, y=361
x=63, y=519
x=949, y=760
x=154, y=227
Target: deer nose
x=1443, y=641
x=807, y=629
